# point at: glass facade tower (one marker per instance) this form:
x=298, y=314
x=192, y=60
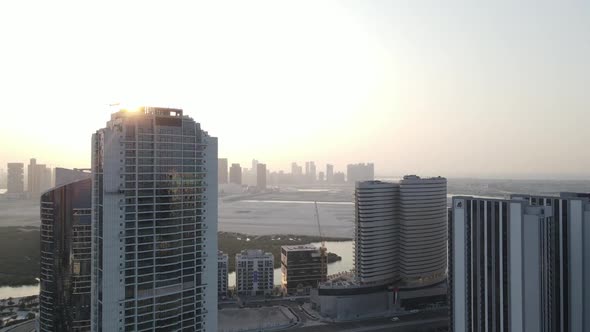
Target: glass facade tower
x=65, y=258
x=154, y=210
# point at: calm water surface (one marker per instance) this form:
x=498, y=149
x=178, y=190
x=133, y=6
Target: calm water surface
x=6, y=292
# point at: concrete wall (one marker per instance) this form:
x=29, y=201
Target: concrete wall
x=352, y=307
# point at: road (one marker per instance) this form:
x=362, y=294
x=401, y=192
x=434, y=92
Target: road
x=422, y=321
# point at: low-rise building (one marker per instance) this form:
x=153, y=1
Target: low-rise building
x=254, y=272
x=302, y=268
x=222, y=265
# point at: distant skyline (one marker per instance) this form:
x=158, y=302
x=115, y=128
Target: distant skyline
x=495, y=90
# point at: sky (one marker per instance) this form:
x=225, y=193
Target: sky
x=453, y=88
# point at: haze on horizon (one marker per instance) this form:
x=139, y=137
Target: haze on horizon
x=454, y=89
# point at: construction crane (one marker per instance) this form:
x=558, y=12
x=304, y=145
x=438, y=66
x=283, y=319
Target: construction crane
x=323, y=258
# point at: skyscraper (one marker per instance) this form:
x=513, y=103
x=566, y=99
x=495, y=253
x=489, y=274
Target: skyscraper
x=310, y=171
x=222, y=170
x=154, y=214
x=376, y=235
x=65, y=258
x=295, y=169
x=520, y=264
x=261, y=176
x=38, y=178
x=329, y=173
x=360, y=172
x=400, y=231
x=15, y=178
x=235, y=174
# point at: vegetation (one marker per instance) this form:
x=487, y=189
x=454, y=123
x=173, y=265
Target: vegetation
x=233, y=243
x=20, y=256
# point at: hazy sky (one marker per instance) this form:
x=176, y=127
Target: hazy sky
x=455, y=88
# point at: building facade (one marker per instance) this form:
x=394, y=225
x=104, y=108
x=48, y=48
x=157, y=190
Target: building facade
x=222, y=170
x=154, y=215
x=310, y=171
x=65, y=176
x=222, y=273
x=15, y=178
x=38, y=178
x=376, y=233
x=401, y=231
x=254, y=273
x=423, y=229
x=64, y=295
x=519, y=264
x=303, y=267
x=235, y=174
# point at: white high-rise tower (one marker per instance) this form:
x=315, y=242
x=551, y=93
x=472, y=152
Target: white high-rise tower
x=154, y=217
x=400, y=231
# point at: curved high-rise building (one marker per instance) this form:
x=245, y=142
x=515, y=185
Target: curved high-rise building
x=65, y=258
x=400, y=231
x=376, y=232
x=154, y=210
x=423, y=229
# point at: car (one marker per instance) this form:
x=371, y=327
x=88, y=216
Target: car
x=395, y=319
x=414, y=311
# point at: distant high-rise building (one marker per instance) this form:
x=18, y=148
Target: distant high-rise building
x=329, y=173
x=154, y=216
x=302, y=268
x=15, y=178
x=39, y=178
x=65, y=279
x=2, y=178
x=339, y=177
x=400, y=231
x=65, y=176
x=222, y=273
x=46, y=179
x=235, y=174
x=32, y=177
x=222, y=170
x=360, y=172
x=520, y=264
x=296, y=170
x=321, y=176
x=261, y=176
x=254, y=272
x=310, y=171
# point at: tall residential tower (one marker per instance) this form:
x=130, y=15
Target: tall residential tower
x=400, y=233
x=520, y=264
x=154, y=215
x=64, y=295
